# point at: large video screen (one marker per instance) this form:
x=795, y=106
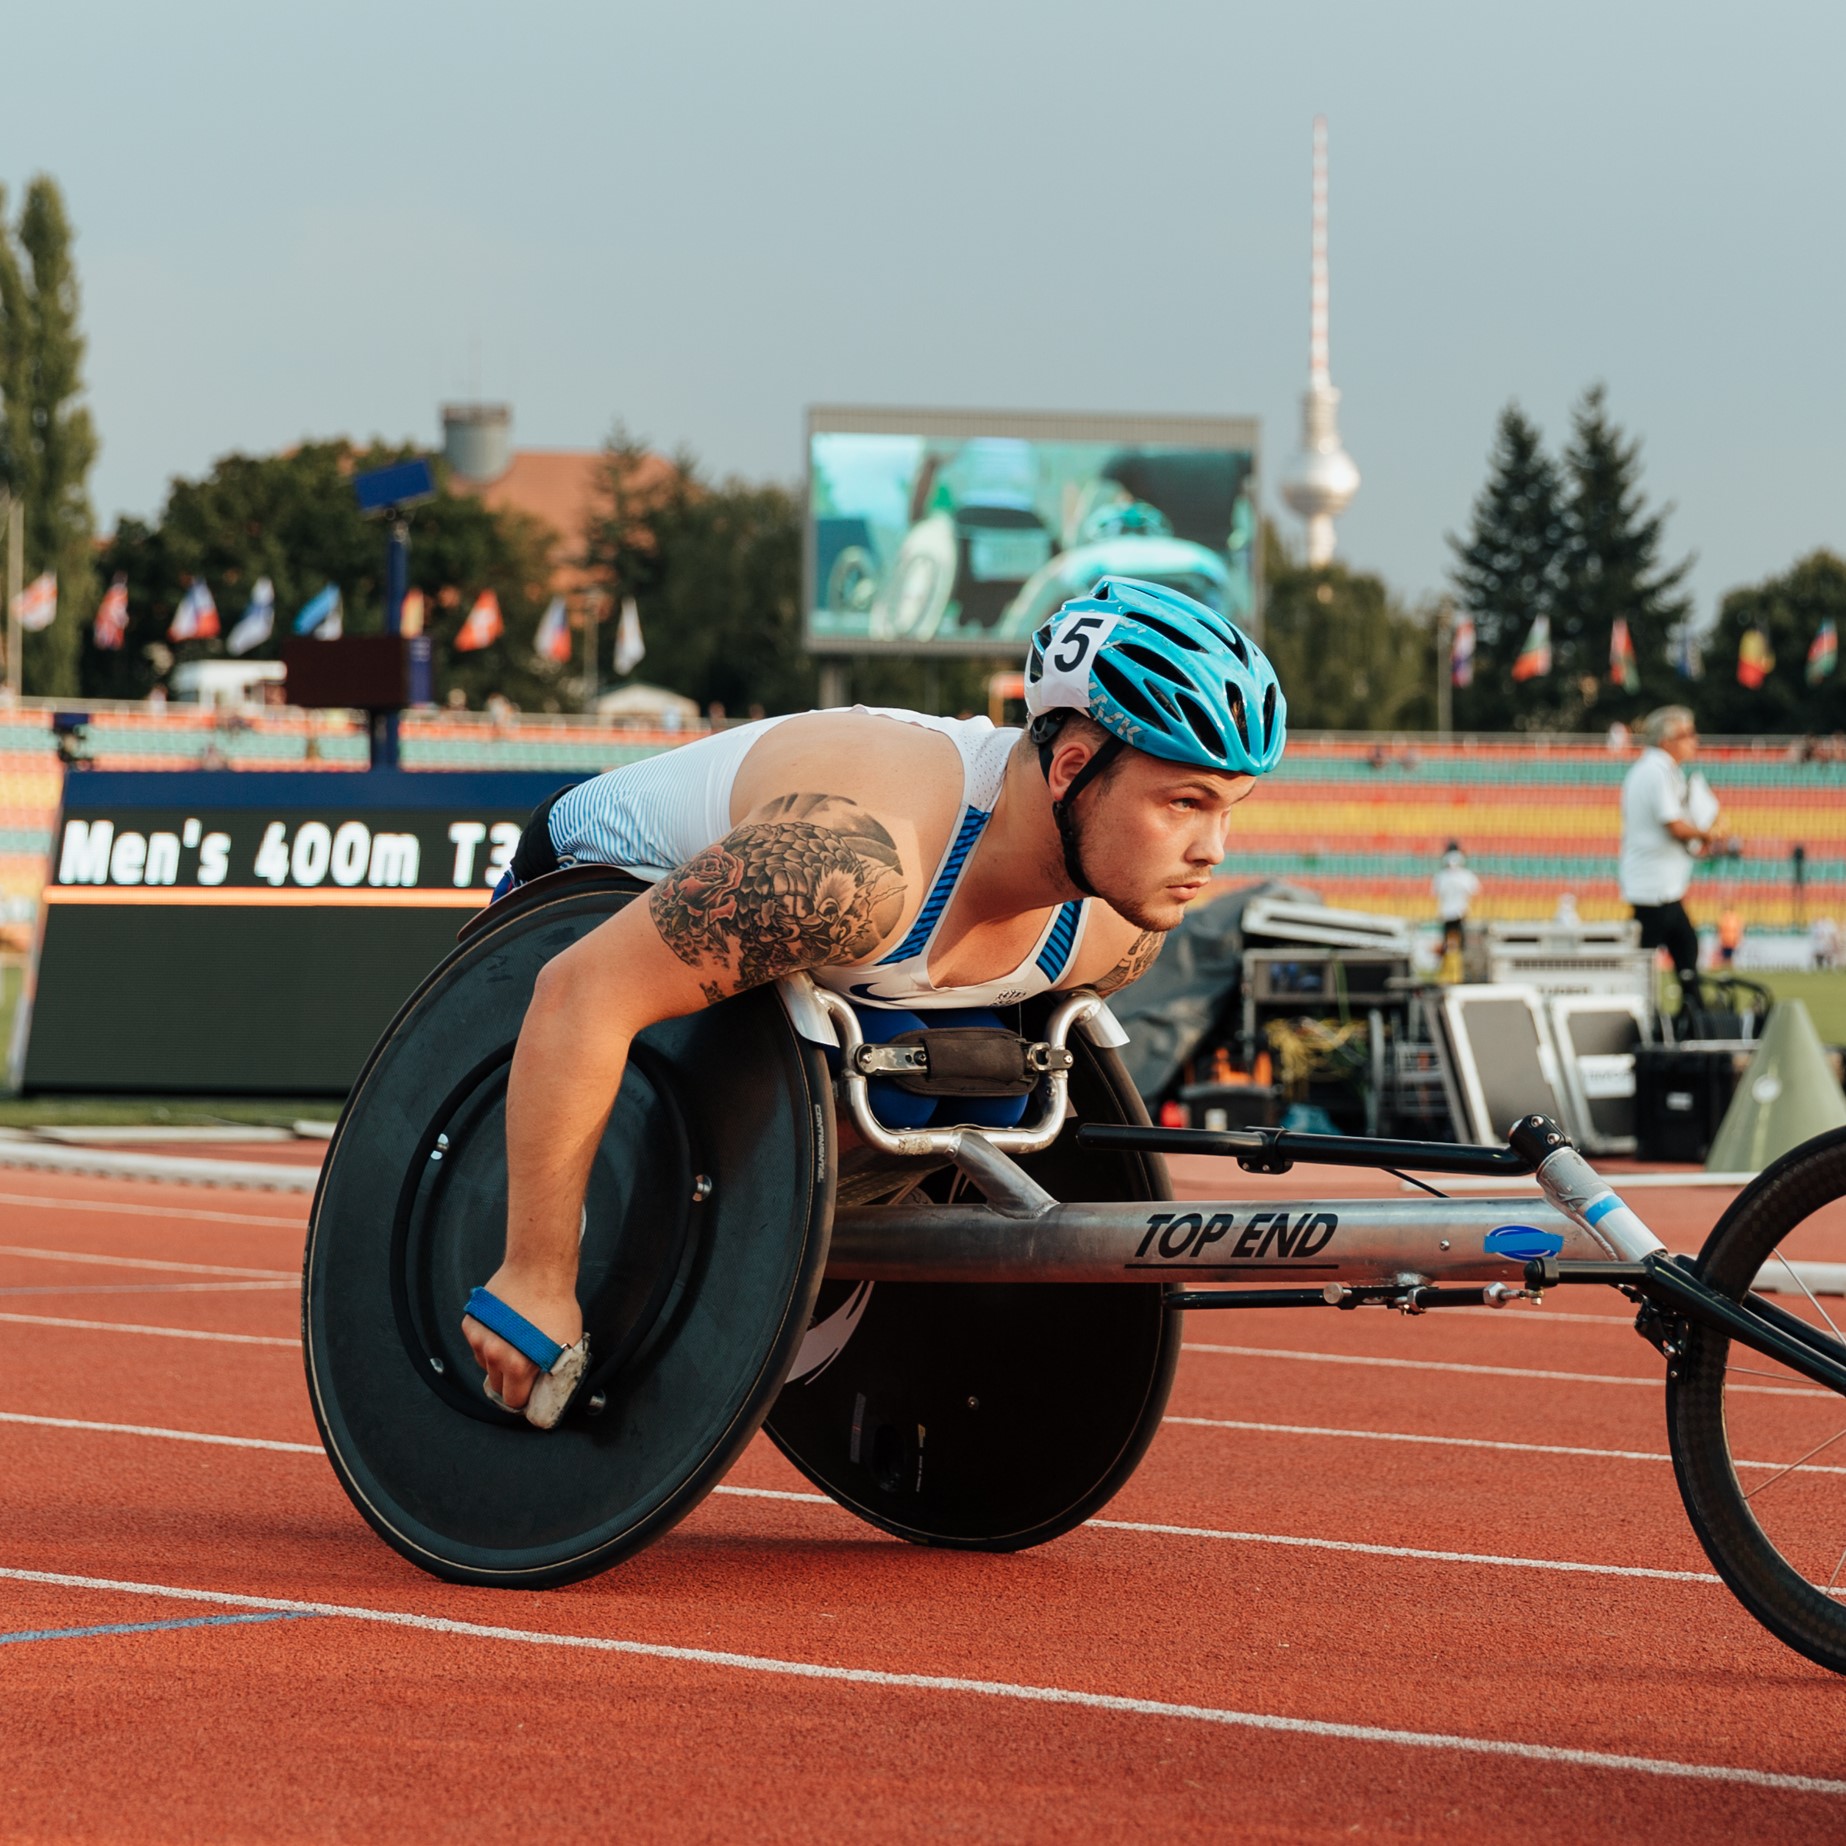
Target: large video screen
x=959, y=533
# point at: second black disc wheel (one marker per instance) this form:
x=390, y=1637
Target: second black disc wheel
x=1760, y=1451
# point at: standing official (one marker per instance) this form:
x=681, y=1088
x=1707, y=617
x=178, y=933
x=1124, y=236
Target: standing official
x=1667, y=821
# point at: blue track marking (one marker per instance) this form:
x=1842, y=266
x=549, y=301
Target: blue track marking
x=197, y=1621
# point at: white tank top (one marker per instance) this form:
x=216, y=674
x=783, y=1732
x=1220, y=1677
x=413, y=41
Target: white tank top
x=656, y=814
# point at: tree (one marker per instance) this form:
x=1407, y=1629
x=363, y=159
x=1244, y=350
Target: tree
x=1612, y=571
x=49, y=442
x=1508, y=573
x=292, y=518
x=1789, y=610
x=1349, y=655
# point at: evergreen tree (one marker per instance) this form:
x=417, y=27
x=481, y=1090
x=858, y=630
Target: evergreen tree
x=1789, y=609
x=1349, y=655
x=50, y=442
x=1611, y=572
x=1507, y=573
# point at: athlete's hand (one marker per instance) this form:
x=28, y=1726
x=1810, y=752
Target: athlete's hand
x=550, y=1306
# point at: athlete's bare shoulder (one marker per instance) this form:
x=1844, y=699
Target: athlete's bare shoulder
x=836, y=819
x=910, y=774
x=1114, y=952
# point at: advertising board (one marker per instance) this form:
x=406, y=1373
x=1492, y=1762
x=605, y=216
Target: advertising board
x=959, y=532
x=243, y=933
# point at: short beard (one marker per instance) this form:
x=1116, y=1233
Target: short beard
x=1070, y=837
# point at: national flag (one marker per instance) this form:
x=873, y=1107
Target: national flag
x=1535, y=652
x=482, y=626
x=1755, y=659
x=410, y=613
x=110, y=629
x=553, y=639
x=1461, y=653
x=1688, y=662
x=196, y=618
x=258, y=621
x=629, y=647
x=1823, y=652
x=36, y=606
x=1622, y=670
x=320, y=615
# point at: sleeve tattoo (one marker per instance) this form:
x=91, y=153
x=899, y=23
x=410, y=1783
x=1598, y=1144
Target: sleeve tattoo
x=807, y=881
x=1133, y=965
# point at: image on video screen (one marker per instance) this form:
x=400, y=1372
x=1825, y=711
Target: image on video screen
x=967, y=543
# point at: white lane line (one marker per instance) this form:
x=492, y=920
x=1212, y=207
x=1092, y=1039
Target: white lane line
x=169, y=1333
x=152, y=1288
x=1105, y=1525
x=1461, y=1442
x=1481, y=1371
x=165, y=1435
x=1417, y=1552
x=1009, y=1691
x=1407, y=1551
x=144, y=1262
x=126, y=1210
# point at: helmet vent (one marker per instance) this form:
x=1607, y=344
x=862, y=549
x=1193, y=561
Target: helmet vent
x=1199, y=723
x=1168, y=632
x=1145, y=658
x=1269, y=718
x=1240, y=715
x=1239, y=646
x=1131, y=697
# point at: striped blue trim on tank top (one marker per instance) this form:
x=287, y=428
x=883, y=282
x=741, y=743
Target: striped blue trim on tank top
x=1056, y=952
x=933, y=906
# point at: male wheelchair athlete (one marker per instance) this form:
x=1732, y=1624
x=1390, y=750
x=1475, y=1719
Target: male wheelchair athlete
x=965, y=1336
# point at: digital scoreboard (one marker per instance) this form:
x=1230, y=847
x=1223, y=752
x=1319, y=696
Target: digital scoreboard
x=242, y=932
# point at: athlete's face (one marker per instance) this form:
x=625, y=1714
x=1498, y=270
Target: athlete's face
x=1151, y=834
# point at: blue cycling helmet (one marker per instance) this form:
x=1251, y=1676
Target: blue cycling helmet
x=1160, y=673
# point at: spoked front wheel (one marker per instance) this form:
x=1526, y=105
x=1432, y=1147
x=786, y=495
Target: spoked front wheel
x=1760, y=1451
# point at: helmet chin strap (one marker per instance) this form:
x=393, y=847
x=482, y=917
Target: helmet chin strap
x=1062, y=809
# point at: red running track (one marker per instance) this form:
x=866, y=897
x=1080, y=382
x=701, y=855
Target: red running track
x=1328, y=1604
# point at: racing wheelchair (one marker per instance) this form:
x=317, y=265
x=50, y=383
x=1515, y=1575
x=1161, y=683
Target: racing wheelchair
x=966, y=1336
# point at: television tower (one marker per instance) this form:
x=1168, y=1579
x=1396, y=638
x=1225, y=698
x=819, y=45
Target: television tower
x=1323, y=479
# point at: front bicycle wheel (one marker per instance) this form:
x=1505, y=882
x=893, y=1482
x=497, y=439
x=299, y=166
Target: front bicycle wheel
x=1760, y=1451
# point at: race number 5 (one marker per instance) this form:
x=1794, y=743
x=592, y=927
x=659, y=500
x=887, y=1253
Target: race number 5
x=1075, y=641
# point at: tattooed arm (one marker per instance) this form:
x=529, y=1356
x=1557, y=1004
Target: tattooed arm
x=802, y=881
x=805, y=881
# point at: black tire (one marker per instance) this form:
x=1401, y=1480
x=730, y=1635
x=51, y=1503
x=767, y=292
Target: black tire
x=1760, y=1453
x=995, y=1416
x=706, y=1236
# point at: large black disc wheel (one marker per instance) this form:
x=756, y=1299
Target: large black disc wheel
x=704, y=1238
x=1760, y=1451
x=991, y=1416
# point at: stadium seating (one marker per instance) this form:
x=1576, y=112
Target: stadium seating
x=1361, y=822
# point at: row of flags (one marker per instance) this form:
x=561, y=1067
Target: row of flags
x=1755, y=658
x=196, y=619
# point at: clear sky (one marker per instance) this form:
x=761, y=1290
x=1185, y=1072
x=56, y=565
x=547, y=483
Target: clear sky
x=699, y=218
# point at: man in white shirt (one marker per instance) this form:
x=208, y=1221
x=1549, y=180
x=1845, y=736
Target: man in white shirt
x=1456, y=887
x=1663, y=827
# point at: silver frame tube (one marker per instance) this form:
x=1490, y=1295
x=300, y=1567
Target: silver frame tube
x=1019, y=1233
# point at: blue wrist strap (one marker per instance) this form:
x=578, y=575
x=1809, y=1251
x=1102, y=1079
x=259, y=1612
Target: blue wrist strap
x=513, y=1327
